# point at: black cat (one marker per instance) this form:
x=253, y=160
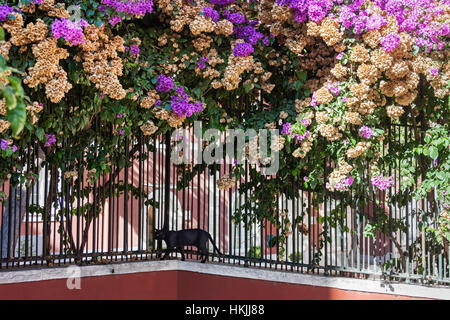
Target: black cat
x=188, y=237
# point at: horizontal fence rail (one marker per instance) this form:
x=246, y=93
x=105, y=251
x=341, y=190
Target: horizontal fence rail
x=66, y=217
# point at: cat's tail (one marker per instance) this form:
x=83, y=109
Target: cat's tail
x=214, y=245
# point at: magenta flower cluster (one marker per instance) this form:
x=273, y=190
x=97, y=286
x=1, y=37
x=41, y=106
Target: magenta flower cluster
x=289, y=131
x=248, y=33
x=375, y=22
x=180, y=101
x=243, y=28
x=243, y=49
x=221, y=2
x=334, y=88
x=134, y=49
x=313, y=102
x=72, y=32
x=181, y=106
x=366, y=132
x=201, y=63
x=4, y=144
x=286, y=129
x=390, y=42
x=115, y=20
x=235, y=18
x=413, y=16
x=382, y=183
x=343, y=185
x=314, y=10
x=434, y=71
x=5, y=11
x=51, y=139
x=211, y=13
x=130, y=7
x=165, y=83
x=353, y=18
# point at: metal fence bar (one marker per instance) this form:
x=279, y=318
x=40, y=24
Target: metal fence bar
x=325, y=236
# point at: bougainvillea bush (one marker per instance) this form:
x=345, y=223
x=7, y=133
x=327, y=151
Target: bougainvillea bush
x=331, y=75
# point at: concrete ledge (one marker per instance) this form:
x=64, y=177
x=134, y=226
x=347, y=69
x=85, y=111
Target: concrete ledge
x=368, y=286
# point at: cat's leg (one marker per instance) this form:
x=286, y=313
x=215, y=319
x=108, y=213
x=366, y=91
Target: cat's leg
x=204, y=254
x=182, y=253
x=168, y=250
x=200, y=254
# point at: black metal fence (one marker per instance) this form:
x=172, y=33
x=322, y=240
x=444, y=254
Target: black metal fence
x=65, y=217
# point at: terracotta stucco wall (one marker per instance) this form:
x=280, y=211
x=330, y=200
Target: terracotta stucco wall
x=184, y=285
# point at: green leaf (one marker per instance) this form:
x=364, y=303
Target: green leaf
x=302, y=76
x=10, y=98
x=17, y=117
x=15, y=83
x=442, y=176
x=247, y=87
x=434, y=153
x=40, y=134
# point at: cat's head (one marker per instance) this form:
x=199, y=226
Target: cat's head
x=159, y=234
